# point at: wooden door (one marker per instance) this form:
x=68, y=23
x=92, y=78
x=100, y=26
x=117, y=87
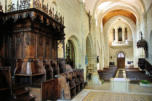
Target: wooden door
x=121, y=62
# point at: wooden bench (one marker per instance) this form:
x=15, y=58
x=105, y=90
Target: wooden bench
x=10, y=91
x=64, y=87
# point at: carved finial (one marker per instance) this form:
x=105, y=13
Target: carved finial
x=24, y=4
x=53, y=12
x=1, y=8
x=37, y=4
x=11, y=7
x=50, y=12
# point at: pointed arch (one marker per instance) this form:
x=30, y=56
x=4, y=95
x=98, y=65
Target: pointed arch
x=77, y=52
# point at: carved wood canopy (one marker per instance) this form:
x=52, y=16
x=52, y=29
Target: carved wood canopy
x=39, y=21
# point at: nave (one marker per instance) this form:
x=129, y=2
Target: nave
x=100, y=90
x=75, y=50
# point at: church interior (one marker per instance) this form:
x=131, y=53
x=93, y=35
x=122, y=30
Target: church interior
x=75, y=50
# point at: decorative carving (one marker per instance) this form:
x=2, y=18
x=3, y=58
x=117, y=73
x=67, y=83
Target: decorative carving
x=53, y=15
x=18, y=40
x=45, y=8
x=11, y=7
x=57, y=16
x=37, y=4
x=24, y=4
x=50, y=12
x=40, y=40
x=29, y=39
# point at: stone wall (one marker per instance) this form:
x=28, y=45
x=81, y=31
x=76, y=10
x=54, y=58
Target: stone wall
x=148, y=34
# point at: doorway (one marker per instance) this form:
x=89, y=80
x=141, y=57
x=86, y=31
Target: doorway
x=121, y=60
x=70, y=54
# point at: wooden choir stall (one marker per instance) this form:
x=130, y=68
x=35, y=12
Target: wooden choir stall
x=29, y=41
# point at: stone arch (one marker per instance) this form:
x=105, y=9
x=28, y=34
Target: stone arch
x=126, y=20
x=77, y=50
x=121, y=59
x=118, y=52
x=130, y=23
x=108, y=25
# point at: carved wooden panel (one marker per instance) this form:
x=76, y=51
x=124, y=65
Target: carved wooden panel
x=40, y=46
x=47, y=48
x=54, y=49
x=50, y=90
x=5, y=78
x=29, y=45
x=19, y=45
x=2, y=50
x=12, y=47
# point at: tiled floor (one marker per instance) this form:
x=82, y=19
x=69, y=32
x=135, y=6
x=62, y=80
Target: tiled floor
x=96, y=85
x=97, y=95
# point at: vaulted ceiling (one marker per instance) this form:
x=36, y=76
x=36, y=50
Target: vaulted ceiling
x=119, y=12
x=104, y=10
x=92, y=4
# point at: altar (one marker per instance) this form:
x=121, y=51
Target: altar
x=119, y=84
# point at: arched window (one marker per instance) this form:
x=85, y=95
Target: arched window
x=119, y=34
x=113, y=34
x=126, y=34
